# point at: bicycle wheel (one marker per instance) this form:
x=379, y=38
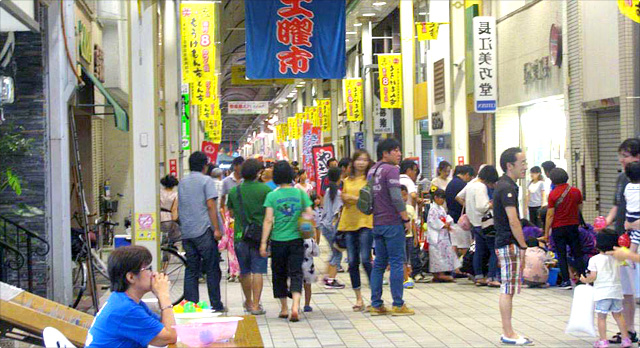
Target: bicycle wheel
x=99, y=265
x=79, y=278
x=174, y=266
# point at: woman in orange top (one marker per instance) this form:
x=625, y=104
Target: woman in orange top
x=357, y=225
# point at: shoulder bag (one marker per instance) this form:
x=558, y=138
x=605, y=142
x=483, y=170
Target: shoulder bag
x=365, y=197
x=561, y=199
x=252, y=234
x=488, y=228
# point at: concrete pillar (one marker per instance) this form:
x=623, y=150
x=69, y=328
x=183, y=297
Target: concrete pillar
x=367, y=62
x=459, y=122
x=629, y=34
x=297, y=156
x=143, y=104
x=334, y=112
x=62, y=83
x=408, y=54
x=172, y=121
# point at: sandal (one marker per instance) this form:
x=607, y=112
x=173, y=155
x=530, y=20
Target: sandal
x=259, y=311
x=494, y=284
x=283, y=316
x=294, y=318
x=358, y=308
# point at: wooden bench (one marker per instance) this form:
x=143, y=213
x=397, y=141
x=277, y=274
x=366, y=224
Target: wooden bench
x=247, y=335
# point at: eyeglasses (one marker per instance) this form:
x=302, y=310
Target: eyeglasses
x=148, y=268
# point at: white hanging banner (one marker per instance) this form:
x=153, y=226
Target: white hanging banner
x=485, y=65
x=382, y=118
x=248, y=107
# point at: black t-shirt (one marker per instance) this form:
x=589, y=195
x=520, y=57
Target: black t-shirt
x=620, y=202
x=505, y=195
x=455, y=186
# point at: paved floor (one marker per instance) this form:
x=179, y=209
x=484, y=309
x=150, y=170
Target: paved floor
x=447, y=315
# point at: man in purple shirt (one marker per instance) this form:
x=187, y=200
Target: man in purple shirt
x=389, y=222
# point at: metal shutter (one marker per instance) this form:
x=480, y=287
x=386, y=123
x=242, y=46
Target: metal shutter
x=608, y=165
x=507, y=131
x=97, y=156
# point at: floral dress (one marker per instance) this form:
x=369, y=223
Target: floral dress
x=227, y=243
x=441, y=255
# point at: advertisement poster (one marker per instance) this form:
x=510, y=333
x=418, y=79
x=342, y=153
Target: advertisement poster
x=321, y=156
x=390, y=75
x=145, y=227
x=324, y=106
x=353, y=99
x=312, y=136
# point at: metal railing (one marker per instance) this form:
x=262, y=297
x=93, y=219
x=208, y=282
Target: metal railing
x=19, y=250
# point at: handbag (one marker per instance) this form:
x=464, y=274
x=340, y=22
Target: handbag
x=252, y=233
x=463, y=221
x=365, y=197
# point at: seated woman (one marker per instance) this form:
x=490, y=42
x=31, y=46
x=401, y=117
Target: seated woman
x=126, y=321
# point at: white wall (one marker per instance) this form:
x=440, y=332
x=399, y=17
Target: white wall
x=439, y=49
x=501, y=8
x=601, y=76
x=114, y=41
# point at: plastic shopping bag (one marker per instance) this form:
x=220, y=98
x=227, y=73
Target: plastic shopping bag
x=582, y=309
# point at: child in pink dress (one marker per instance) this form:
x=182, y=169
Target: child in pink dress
x=226, y=243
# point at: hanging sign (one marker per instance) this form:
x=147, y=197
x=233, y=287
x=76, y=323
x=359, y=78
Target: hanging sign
x=353, y=99
x=427, y=31
x=324, y=106
x=292, y=123
x=239, y=78
x=211, y=150
x=390, y=75
x=173, y=168
x=358, y=140
x=382, y=118
x=186, y=106
x=311, y=136
x=198, y=50
x=248, y=107
x=484, y=61
x=295, y=39
x=630, y=8
x=321, y=156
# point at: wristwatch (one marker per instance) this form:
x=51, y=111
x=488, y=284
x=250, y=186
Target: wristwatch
x=166, y=307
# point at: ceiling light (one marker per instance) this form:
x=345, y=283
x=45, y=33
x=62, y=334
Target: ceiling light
x=379, y=3
x=357, y=25
x=352, y=32
x=422, y=13
x=368, y=14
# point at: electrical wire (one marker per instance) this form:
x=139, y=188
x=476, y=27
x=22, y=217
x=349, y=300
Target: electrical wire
x=66, y=45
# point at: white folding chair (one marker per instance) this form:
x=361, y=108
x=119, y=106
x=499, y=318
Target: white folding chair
x=55, y=339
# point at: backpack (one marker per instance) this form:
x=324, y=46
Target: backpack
x=365, y=197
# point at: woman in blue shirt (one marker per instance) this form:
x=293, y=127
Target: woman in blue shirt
x=124, y=320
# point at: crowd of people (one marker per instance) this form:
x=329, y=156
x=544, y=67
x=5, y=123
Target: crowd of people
x=466, y=225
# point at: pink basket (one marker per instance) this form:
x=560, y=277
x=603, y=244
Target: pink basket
x=204, y=332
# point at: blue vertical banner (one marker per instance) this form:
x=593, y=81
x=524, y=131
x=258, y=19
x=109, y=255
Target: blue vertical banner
x=359, y=140
x=302, y=39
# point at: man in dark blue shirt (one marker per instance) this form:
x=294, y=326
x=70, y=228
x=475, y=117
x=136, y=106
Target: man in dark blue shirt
x=460, y=239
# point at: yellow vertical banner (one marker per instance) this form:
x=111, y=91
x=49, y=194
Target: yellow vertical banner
x=198, y=27
x=216, y=137
x=324, y=106
x=390, y=74
x=205, y=112
x=427, y=31
x=292, y=123
x=630, y=8
x=301, y=117
x=353, y=99
x=314, y=115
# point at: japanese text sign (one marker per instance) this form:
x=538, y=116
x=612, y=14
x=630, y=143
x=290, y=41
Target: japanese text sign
x=292, y=122
x=321, y=156
x=211, y=150
x=295, y=39
x=427, y=31
x=198, y=49
x=311, y=136
x=382, y=118
x=248, y=107
x=390, y=75
x=484, y=59
x=353, y=99
x=325, y=114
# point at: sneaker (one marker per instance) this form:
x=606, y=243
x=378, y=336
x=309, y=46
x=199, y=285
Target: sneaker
x=626, y=343
x=341, y=269
x=601, y=344
x=382, y=310
x=520, y=341
x=409, y=284
x=334, y=284
x=617, y=338
x=402, y=311
x=308, y=309
x=565, y=286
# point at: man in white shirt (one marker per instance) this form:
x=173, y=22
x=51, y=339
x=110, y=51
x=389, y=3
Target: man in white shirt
x=409, y=171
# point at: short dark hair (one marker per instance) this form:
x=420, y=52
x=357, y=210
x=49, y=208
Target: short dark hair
x=237, y=161
x=535, y=169
x=282, y=173
x=169, y=181
x=406, y=165
x=250, y=169
x=387, y=145
x=558, y=176
x=548, y=166
x=344, y=162
x=334, y=174
x=631, y=145
x=442, y=166
x=606, y=240
x=532, y=242
x=332, y=159
x=509, y=155
x=124, y=260
x=464, y=169
x=197, y=161
x=489, y=174
x=632, y=170
x=294, y=163
x=439, y=193
x=404, y=188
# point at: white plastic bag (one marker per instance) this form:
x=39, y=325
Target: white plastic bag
x=582, y=309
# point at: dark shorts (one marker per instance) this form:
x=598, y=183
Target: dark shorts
x=249, y=259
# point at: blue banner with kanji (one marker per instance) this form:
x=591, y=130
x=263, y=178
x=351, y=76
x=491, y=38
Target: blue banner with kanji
x=295, y=39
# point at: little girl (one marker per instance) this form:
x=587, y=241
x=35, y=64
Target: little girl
x=227, y=243
x=311, y=250
x=535, y=194
x=607, y=289
x=442, y=258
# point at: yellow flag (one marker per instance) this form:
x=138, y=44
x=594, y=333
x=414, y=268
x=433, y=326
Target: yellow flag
x=324, y=106
x=292, y=123
x=390, y=75
x=427, y=31
x=630, y=8
x=353, y=99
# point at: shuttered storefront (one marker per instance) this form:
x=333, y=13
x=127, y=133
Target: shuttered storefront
x=608, y=166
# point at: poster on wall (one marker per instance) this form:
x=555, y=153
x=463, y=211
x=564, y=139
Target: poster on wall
x=321, y=156
x=146, y=227
x=485, y=89
x=311, y=136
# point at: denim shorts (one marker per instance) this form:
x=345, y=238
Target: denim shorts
x=249, y=259
x=609, y=305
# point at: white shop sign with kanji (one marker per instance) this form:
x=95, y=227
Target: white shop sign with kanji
x=382, y=118
x=485, y=65
x=248, y=107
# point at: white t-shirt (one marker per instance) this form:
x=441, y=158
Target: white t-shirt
x=411, y=187
x=547, y=185
x=535, y=193
x=607, y=284
x=476, y=201
x=632, y=196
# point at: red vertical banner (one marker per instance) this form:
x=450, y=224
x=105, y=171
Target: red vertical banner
x=321, y=156
x=311, y=136
x=173, y=168
x=211, y=150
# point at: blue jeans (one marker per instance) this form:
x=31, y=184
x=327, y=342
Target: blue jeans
x=359, y=244
x=336, y=255
x=202, y=255
x=484, y=245
x=390, y=249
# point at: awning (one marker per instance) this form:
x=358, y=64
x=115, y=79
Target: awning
x=120, y=115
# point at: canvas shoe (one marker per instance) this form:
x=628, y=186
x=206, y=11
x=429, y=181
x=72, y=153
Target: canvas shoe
x=402, y=311
x=382, y=310
x=520, y=341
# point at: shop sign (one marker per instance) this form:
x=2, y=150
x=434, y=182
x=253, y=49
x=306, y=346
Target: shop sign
x=321, y=156
x=292, y=123
x=211, y=150
x=173, y=168
x=248, y=107
x=295, y=39
x=536, y=70
x=358, y=140
x=630, y=8
x=427, y=31
x=437, y=121
x=555, y=45
x=185, y=116
x=325, y=114
x=85, y=42
x=382, y=118
x=460, y=160
x=239, y=78
x=390, y=75
x=98, y=63
x=312, y=136
x=353, y=99
x=484, y=60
